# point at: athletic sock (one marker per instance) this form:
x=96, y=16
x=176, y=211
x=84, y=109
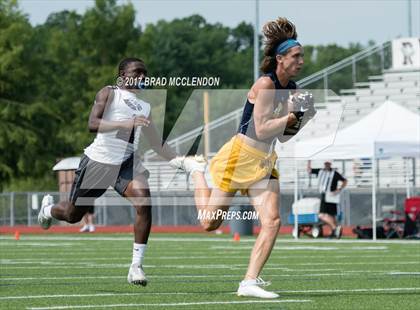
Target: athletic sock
x=138, y=254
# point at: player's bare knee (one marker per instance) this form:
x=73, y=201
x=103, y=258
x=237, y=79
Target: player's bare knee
x=143, y=209
x=271, y=223
x=276, y=222
x=279, y=223
x=141, y=201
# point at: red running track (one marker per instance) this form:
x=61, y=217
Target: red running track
x=71, y=229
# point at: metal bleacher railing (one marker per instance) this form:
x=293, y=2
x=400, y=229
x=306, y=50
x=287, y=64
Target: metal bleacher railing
x=351, y=60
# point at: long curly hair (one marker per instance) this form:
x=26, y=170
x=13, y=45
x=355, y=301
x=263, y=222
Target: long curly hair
x=275, y=32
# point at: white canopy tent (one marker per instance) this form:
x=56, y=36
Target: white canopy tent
x=389, y=131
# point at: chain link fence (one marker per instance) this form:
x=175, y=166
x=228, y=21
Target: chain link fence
x=178, y=207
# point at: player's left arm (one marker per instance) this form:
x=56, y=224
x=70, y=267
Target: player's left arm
x=155, y=141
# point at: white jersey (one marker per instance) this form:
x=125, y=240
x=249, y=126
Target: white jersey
x=325, y=178
x=114, y=147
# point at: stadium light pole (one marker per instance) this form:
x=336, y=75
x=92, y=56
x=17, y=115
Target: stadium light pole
x=374, y=168
x=206, y=124
x=256, y=43
x=294, y=206
x=410, y=30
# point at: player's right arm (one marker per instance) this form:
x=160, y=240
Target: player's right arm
x=263, y=94
x=98, y=124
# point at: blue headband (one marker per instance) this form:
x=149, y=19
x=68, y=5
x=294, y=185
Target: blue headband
x=286, y=45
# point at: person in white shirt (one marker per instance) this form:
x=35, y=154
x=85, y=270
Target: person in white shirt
x=118, y=116
x=328, y=180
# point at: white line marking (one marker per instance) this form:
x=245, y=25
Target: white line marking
x=13, y=261
x=60, y=278
x=339, y=273
x=92, y=295
x=308, y=248
x=173, y=304
x=359, y=263
x=121, y=277
x=404, y=273
x=42, y=244
x=364, y=248
x=188, y=293
x=207, y=239
x=159, y=277
x=116, y=266
x=38, y=260
x=358, y=290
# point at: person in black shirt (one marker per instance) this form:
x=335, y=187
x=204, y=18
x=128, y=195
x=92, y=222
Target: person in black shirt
x=328, y=180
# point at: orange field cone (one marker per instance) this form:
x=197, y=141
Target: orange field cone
x=17, y=235
x=236, y=237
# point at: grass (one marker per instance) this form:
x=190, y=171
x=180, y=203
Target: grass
x=203, y=271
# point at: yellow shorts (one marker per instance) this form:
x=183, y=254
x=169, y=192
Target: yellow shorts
x=237, y=166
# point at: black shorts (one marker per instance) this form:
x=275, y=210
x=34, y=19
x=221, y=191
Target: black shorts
x=327, y=207
x=93, y=178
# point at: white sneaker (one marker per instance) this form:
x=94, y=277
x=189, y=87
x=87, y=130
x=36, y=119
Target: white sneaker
x=338, y=231
x=189, y=163
x=136, y=276
x=44, y=220
x=85, y=228
x=252, y=288
x=91, y=228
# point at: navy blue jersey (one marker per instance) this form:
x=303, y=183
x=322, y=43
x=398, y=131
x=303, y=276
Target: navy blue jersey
x=247, y=125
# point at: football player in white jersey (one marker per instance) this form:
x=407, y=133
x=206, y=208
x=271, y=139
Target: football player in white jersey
x=117, y=117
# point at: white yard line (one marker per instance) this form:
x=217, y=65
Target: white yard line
x=357, y=290
x=94, y=266
x=173, y=304
x=41, y=244
x=308, y=248
x=61, y=278
x=206, y=239
x=91, y=295
x=188, y=293
x=38, y=260
x=203, y=276
x=359, y=263
x=151, y=277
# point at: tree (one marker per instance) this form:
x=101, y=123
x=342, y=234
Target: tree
x=192, y=47
x=17, y=131
x=49, y=75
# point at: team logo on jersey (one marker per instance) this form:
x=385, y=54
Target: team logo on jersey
x=133, y=104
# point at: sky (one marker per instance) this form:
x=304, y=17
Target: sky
x=318, y=22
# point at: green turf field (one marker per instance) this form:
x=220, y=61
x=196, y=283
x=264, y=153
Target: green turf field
x=203, y=271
